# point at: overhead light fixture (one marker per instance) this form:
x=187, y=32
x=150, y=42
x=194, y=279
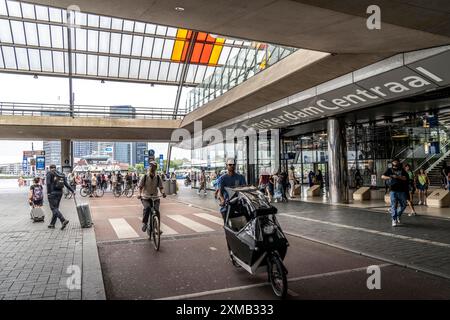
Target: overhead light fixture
x=152, y=84
x=103, y=81
x=35, y=76
x=179, y=9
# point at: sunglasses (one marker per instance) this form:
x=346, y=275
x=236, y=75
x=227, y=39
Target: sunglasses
x=231, y=164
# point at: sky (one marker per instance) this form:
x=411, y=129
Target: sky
x=54, y=90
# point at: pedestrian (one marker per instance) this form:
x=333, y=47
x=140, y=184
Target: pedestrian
x=292, y=182
x=284, y=185
x=422, y=183
x=444, y=173
x=410, y=190
x=202, y=182
x=93, y=184
x=55, y=184
x=358, y=179
x=113, y=181
x=398, y=183
x=36, y=194
x=135, y=179
x=319, y=178
x=271, y=187
x=311, y=176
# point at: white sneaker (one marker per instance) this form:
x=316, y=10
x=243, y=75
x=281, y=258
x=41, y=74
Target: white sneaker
x=394, y=223
x=398, y=221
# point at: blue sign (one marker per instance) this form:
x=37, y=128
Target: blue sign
x=25, y=165
x=40, y=163
x=108, y=149
x=161, y=161
x=146, y=165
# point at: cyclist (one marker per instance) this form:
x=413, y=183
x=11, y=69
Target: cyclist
x=148, y=188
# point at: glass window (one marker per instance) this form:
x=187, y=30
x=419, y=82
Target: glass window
x=116, y=24
x=126, y=44
x=154, y=68
x=163, y=71
x=80, y=18
x=134, y=68
x=3, y=9
x=27, y=10
x=150, y=28
x=158, y=48
x=128, y=25
x=55, y=15
x=113, y=67
x=103, y=66
x=173, y=72
x=9, y=56
x=57, y=36
x=105, y=22
x=31, y=34
x=18, y=32
x=92, y=65
x=168, y=47
x=46, y=56
x=115, y=43
x=137, y=45
x=124, y=65
x=22, y=59
x=148, y=47
x=41, y=13
x=14, y=9
x=143, y=73
x=93, y=20
x=58, y=61
x=93, y=40
x=80, y=36
x=172, y=32
x=191, y=73
x=200, y=74
x=5, y=31
x=139, y=27
x=44, y=35
x=81, y=63
x=35, y=60
x=104, y=42
x=161, y=30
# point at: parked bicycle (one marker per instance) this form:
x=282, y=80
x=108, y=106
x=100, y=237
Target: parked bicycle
x=89, y=191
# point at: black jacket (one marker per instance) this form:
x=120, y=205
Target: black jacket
x=51, y=184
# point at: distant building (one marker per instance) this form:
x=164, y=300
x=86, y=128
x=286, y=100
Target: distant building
x=52, y=153
x=13, y=169
x=84, y=148
x=139, y=150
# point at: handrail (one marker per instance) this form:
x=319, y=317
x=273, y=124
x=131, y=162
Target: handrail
x=444, y=153
x=41, y=109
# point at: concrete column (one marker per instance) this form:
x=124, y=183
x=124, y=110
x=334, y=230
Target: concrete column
x=66, y=154
x=337, y=161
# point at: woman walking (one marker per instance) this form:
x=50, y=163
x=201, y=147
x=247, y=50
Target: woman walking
x=422, y=184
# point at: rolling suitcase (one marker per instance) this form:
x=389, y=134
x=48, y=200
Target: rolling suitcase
x=37, y=214
x=84, y=214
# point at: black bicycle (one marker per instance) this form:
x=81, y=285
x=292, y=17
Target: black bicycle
x=128, y=191
x=153, y=224
x=91, y=191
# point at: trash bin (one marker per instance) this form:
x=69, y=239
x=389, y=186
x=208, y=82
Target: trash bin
x=166, y=185
x=173, y=187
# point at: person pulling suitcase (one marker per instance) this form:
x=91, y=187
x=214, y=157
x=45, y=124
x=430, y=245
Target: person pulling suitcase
x=55, y=185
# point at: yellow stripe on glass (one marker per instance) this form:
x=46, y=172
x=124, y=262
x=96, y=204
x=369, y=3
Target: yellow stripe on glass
x=179, y=44
x=217, y=49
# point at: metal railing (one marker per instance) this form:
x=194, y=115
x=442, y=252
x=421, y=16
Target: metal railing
x=80, y=111
x=432, y=160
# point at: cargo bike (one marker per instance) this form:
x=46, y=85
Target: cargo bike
x=254, y=237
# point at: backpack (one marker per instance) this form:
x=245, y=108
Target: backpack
x=38, y=194
x=58, y=182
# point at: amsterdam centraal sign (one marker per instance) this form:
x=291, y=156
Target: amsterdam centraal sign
x=418, y=77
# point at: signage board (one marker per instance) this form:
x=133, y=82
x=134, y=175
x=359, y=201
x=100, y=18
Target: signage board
x=33, y=153
x=146, y=165
x=161, y=161
x=40, y=163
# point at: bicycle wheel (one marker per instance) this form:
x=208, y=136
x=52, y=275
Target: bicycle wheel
x=84, y=192
x=156, y=232
x=277, y=276
x=99, y=192
x=129, y=193
x=117, y=193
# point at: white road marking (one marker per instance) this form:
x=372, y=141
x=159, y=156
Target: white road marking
x=210, y=217
x=213, y=249
x=381, y=233
x=128, y=205
x=122, y=228
x=313, y=276
x=167, y=230
x=191, y=224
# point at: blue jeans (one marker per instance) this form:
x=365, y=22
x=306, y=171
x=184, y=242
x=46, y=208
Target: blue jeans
x=398, y=204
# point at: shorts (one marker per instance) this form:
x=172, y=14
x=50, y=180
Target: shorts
x=422, y=187
x=38, y=203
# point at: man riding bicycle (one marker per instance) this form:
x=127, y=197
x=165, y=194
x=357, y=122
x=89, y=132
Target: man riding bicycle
x=148, y=189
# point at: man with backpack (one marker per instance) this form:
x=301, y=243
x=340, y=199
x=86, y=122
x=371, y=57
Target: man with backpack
x=55, y=184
